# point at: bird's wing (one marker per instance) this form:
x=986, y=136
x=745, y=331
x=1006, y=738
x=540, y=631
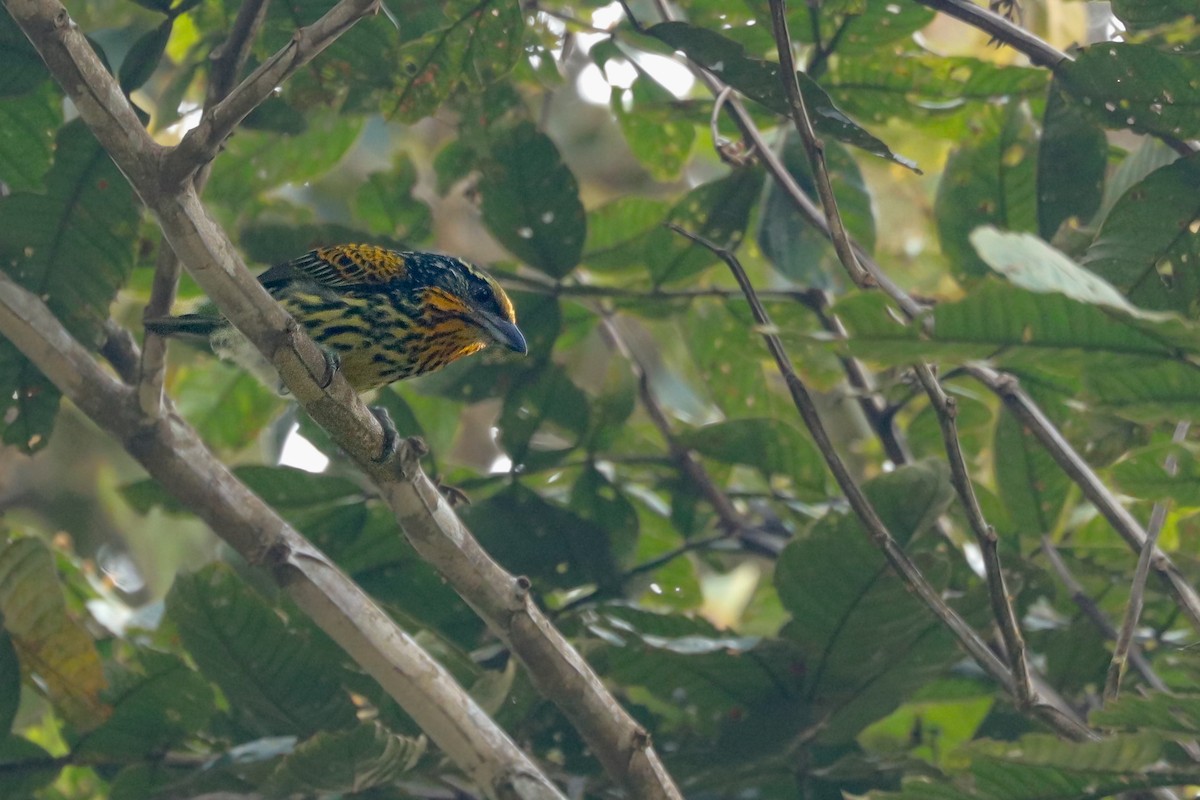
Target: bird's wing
x=341, y=265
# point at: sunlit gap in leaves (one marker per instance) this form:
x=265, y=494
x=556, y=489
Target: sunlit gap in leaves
x=596, y=87
x=299, y=452
x=503, y=465
x=189, y=117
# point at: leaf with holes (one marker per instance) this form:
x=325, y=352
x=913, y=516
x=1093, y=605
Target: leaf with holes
x=531, y=200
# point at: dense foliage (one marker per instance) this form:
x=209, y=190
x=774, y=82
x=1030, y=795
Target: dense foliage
x=644, y=466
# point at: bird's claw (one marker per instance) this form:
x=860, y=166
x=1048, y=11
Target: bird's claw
x=454, y=495
x=391, y=437
x=333, y=362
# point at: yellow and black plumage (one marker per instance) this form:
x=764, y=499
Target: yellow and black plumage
x=381, y=315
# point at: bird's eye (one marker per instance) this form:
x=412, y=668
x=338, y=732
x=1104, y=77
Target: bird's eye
x=480, y=293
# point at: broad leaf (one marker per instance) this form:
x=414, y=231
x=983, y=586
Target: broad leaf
x=1137, y=86
x=531, y=200
x=1072, y=155
x=54, y=649
x=266, y=670
x=350, y=761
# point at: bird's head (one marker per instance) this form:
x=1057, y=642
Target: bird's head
x=456, y=290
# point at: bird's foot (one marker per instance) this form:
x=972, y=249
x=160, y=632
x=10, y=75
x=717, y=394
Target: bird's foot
x=391, y=437
x=333, y=362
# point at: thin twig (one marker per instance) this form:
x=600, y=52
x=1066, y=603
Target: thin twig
x=985, y=535
x=728, y=518
x=1098, y=618
x=811, y=298
x=1060, y=717
x=814, y=147
x=1133, y=609
x=227, y=60
x=1009, y=390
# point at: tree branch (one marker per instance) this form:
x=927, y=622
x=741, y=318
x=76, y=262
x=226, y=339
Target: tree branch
x=202, y=143
x=1060, y=717
x=1137, y=588
x=173, y=454
x=1039, y=52
x=556, y=669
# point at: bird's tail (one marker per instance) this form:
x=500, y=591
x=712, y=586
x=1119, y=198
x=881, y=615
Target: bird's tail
x=189, y=327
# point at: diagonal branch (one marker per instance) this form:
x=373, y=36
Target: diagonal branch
x=556, y=669
x=1039, y=52
x=173, y=454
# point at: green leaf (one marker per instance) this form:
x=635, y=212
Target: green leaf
x=269, y=672
x=387, y=205
x=227, y=405
x=1071, y=162
x=869, y=642
x=1143, y=474
x=349, y=761
x=10, y=682
x=797, y=249
x=615, y=229
x=759, y=80
x=992, y=178
x=1148, y=13
x=1149, y=243
x=719, y=211
x=155, y=706
x=21, y=68
x=531, y=200
x=1031, y=486
x=481, y=45
x=54, y=649
x=255, y=162
x=545, y=402
x=884, y=85
x=27, y=126
x=1149, y=392
x=1137, y=86
x=73, y=247
x=1169, y=712
x=25, y=767
x=143, y=57
x=771, y=446
x=532, y=536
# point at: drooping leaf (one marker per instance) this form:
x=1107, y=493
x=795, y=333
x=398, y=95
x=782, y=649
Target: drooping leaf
x=1149, y=244
x=1031, y=486
x=27, y=126
x=1143, y=474
x=719, y=211
x=53, y=647
x=531, y=200
x=1072, y=156
x=867, y=640
x=990, y=179
x=796, y=248
x=1137, y=86
x=143, y=57
x=21, y=68
x=759, y=80
x=268, y=671
x=1169, y=712
x=532, y=536
x=72, y=246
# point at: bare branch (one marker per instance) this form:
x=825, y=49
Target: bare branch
x=1033, y=418
x=620, y=744
x=1060, y=716
x=985, y=535
x=172, y=452
x=1133, y=609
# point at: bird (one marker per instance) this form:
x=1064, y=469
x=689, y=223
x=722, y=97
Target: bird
x=379, y=315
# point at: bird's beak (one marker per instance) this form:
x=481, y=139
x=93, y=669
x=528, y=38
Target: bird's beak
x=503, y=332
